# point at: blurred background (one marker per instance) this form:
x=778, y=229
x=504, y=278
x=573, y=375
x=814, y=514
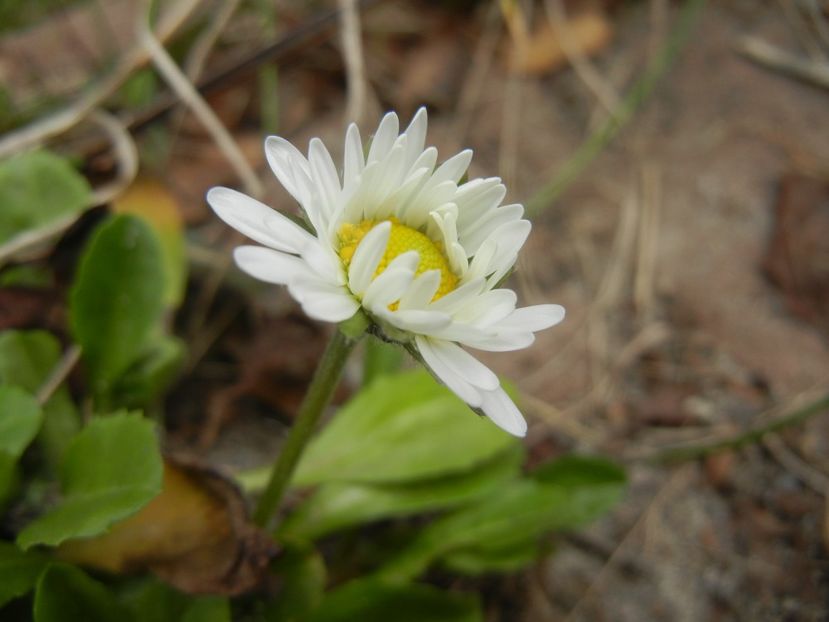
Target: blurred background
x=674, y=160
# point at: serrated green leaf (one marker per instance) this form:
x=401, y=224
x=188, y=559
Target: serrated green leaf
x=116, y=300
x=38, y=189
x=337, y=506
x=520, y=512
x=19, y=571
x=112, y=469
x=26, y=360
x=373, y=601
x=20, y=419
x=66, y=594
x=302, y=574
x=402, y=428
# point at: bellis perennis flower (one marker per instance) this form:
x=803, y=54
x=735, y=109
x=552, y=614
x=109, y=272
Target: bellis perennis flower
x=421, y=253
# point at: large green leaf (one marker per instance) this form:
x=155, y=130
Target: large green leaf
x=116, y=300
x=150, y=600
x=9, y=478
x=20, y=419
x=400, y=428
x=337, y=506
x=27, y=358
x=303, y=575
x=19, y=571
x=38, y=189
x=112, y=469
x=373, y=601
x=66, y=594
x=515, y=515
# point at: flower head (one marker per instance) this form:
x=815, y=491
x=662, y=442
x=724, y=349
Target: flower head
x=420, y=252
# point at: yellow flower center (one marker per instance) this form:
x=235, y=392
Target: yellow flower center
x=402, y=239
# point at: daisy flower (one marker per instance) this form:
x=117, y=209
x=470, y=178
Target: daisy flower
x=422, y=253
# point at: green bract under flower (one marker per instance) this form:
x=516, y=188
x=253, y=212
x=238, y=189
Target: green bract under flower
x=421, y=253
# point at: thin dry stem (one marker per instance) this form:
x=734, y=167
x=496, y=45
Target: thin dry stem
x=126, y=154
x=359, y=91
x=191, y=98
x=768, y=55
x=601, y=88
x=37, y=132
x=60, y=373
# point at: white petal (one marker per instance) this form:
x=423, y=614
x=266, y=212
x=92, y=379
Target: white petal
x=446, y=374
x=322, y=301
x=258, y=221
x=416, y=211
x=383, y=140
x=421, y=291
x=289, y=165
x=475, y=235
x=458, y=297
x=498, y=406
x=416, y=133
x=367, y=256
x=488, y=308
x=464, y=365
x=387, y=288
x=454, y=168
x=324, y=174
x=353, y=162
x=268, y=265
x=533, y=318
x=415, y=321
x=477, y=197
x=322, y=260
x=426, y=160
x=511, y=236
x=501, y=342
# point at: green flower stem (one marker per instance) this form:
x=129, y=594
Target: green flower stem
x=319, y=394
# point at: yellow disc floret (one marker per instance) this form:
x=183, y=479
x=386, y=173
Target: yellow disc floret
x=402, y=239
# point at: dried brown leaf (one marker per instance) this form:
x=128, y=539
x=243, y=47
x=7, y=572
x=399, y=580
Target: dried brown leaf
x=196, y=535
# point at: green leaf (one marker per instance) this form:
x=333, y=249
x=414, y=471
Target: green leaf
x=580, y=472
x=19, y=571
x=520, y=512
x=112, y=469
x=27, y=358
x=38, y=189
x=27, y=275
x=116, y=300
x=483, y=560
x=303, y=574
x=380, y=358
x=373, y=601
x=156, y=205
x=401, y=428
x=150, y=600
x=337, y=506
x=147, y=378
x=9, y=477
x=20, y=419
x=66, y=594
